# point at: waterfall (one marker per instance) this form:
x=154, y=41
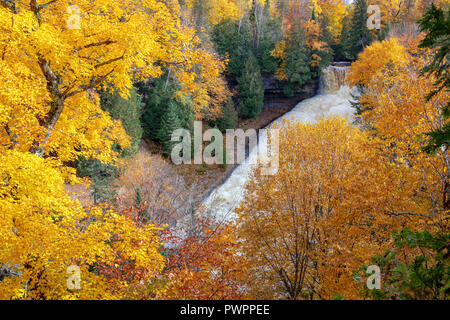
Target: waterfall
x=334, y=77
x=332, y=100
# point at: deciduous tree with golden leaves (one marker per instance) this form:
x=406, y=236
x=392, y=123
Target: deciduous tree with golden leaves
x=332, y=205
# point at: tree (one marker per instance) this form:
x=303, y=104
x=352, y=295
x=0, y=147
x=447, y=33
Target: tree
x=295, y=60
x=233, y=41
x=332, y=13
x=102, y=175
x=128, y=111
x=321, y=53
x=165, y=105
x=329, y=207
x=44, y=231
x=162, y=194
x=417, y=269
x=169, y=123
x=205, y=264
x=436, y=22
x=394, y=92
x=341, y=48
x=359, y=34
x=212, y=12
x=270, y=34
x=251, y=90
x=229, y=117
x=50, y=115
x=156, y=98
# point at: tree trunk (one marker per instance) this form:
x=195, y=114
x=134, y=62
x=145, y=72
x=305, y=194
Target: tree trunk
x=56, y=108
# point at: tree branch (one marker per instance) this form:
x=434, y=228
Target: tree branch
x=408, y=214
x=97, y=44
x=9, y=4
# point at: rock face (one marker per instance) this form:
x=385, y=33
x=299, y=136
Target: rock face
x=273, y=89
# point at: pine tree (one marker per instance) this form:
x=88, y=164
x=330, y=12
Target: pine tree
x=129, y=112
x=102, y=176
x=225, y=156
x=169, y=123
x=233, y=42
x=271, y=34
x=156, y=97
x=359, y=35
x=251, y=89
x=142, y=212
x=229, y=118
x=298, y=56
x=436, y=22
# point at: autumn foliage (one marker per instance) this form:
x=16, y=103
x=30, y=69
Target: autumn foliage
x=309, y=226
x=342, y=189
x=50, y=115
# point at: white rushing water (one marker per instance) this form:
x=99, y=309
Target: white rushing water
x=332, y=100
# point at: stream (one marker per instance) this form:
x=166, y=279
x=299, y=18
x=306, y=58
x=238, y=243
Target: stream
x=333, y=99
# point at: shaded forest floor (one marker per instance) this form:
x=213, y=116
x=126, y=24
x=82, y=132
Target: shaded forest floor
x=203, y=179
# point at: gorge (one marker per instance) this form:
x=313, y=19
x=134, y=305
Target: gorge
x=333, y=99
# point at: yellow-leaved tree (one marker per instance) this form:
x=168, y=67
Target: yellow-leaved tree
x=394, y=107
x=53, y=58
x=332, y=206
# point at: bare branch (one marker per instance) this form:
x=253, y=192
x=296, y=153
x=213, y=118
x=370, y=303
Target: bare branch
x=9, y=4
x=408, y=213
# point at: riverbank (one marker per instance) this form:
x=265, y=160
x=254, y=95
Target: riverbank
x=203, y=179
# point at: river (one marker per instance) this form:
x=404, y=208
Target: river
x=333, y=99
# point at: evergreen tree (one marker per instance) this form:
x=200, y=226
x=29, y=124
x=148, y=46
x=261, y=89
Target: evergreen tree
x=142, y=212
x=340, y=49
x=251, y=89
x=436, y=22
x=229, y=118
x=384, y=32
x=225, y=155
x=156, y=97
x=233, y=42
x=129, y=112
x=358, y=35
x=169, y=123
x=425, y=277
x=298, y=58
x=165, y=108
x=102, y=176
x=326, y=53
x=271, y=35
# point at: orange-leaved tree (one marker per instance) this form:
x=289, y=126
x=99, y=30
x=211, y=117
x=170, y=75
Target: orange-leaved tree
x=395, y=108
x=332, y=205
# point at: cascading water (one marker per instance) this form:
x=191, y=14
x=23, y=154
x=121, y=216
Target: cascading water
x=332, y=100
x=334, y=77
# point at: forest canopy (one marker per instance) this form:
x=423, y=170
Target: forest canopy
x=91, y=92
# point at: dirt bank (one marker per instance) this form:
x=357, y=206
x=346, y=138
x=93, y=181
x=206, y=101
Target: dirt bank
x=205, y=178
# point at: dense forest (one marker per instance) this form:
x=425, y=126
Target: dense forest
x=92, y=207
